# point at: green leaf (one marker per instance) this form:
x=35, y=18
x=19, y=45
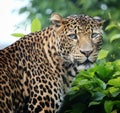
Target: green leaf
x=94, y=103
x=117, y=103
x=109, y=27
x=115, y=37
x=117, y=67
x=36, y=25
x=75, y=88
x=115, y=82
x=98, y=96
x=117, y=62
x=101, y=83
x=104, y=71
x=102, y=54
x=18, y=34
x=108, y=105
x=117, y=73
x=114, y=111
x=114, y=91
x=83, y=82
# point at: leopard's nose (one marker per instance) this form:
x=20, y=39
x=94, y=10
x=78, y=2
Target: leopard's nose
x=86, y=53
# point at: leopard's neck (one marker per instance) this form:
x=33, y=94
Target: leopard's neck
x=50, y=47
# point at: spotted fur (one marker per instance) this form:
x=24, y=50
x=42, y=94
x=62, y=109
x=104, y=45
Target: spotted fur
x=36, y=72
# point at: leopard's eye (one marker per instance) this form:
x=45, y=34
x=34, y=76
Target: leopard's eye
x=73, y=36
x=94, y=35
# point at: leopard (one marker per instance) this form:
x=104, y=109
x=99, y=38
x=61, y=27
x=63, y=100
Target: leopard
x=36, y=72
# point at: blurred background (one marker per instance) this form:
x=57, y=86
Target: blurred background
x=16, y=16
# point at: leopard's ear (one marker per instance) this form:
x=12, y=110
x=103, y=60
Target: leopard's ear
x=99, y=20
x=57, y=19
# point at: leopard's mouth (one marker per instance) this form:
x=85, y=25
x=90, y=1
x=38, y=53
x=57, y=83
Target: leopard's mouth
x=86, y=62
x=85, y=65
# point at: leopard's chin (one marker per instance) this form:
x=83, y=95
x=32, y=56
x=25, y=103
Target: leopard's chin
x=84, y=65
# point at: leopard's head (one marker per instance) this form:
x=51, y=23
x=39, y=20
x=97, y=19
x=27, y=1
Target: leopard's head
x=79, y=37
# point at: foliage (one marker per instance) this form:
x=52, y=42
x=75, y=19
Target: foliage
x=96, y=90
x=113, y=31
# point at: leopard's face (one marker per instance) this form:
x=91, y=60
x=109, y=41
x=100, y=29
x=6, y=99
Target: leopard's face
x=79, y=38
